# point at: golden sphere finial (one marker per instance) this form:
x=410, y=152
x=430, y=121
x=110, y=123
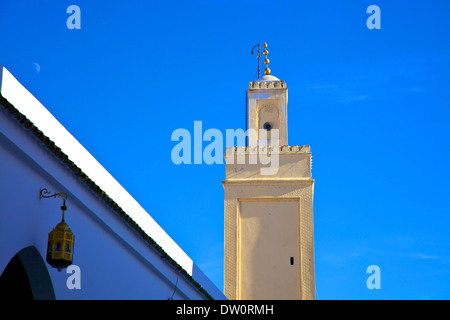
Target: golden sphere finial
x=266, y=61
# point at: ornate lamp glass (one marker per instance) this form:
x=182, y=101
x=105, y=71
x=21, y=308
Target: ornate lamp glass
x=60, y=246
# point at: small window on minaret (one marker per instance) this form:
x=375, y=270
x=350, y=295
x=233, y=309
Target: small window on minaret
x=292, y=261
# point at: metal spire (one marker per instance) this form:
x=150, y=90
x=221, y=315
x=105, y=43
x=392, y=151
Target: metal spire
x=259, y=56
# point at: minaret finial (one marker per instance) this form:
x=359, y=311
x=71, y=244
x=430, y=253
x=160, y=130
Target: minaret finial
x=266, y=61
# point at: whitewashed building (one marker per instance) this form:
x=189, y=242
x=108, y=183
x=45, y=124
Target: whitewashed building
x=120, y=252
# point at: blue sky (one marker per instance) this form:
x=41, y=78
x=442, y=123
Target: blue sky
x=373, y=105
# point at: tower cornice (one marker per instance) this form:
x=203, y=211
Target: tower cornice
x=267, y=85
x=268, y=149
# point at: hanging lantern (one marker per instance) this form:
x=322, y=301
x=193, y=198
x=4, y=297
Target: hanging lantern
x=60, y=240
x=60, y=246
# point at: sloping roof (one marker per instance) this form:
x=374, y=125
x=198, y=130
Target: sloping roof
x=140, y=221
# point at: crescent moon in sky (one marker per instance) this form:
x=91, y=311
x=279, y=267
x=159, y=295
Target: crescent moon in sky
x=36, y=67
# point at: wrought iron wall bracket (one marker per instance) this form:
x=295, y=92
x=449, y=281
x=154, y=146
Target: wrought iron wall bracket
x=44, y=193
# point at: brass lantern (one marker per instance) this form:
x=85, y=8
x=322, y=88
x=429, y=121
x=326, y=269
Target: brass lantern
x=60, y=240
x=60, y=246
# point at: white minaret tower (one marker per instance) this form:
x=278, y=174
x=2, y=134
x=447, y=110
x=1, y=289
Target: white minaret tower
x=269, y=238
